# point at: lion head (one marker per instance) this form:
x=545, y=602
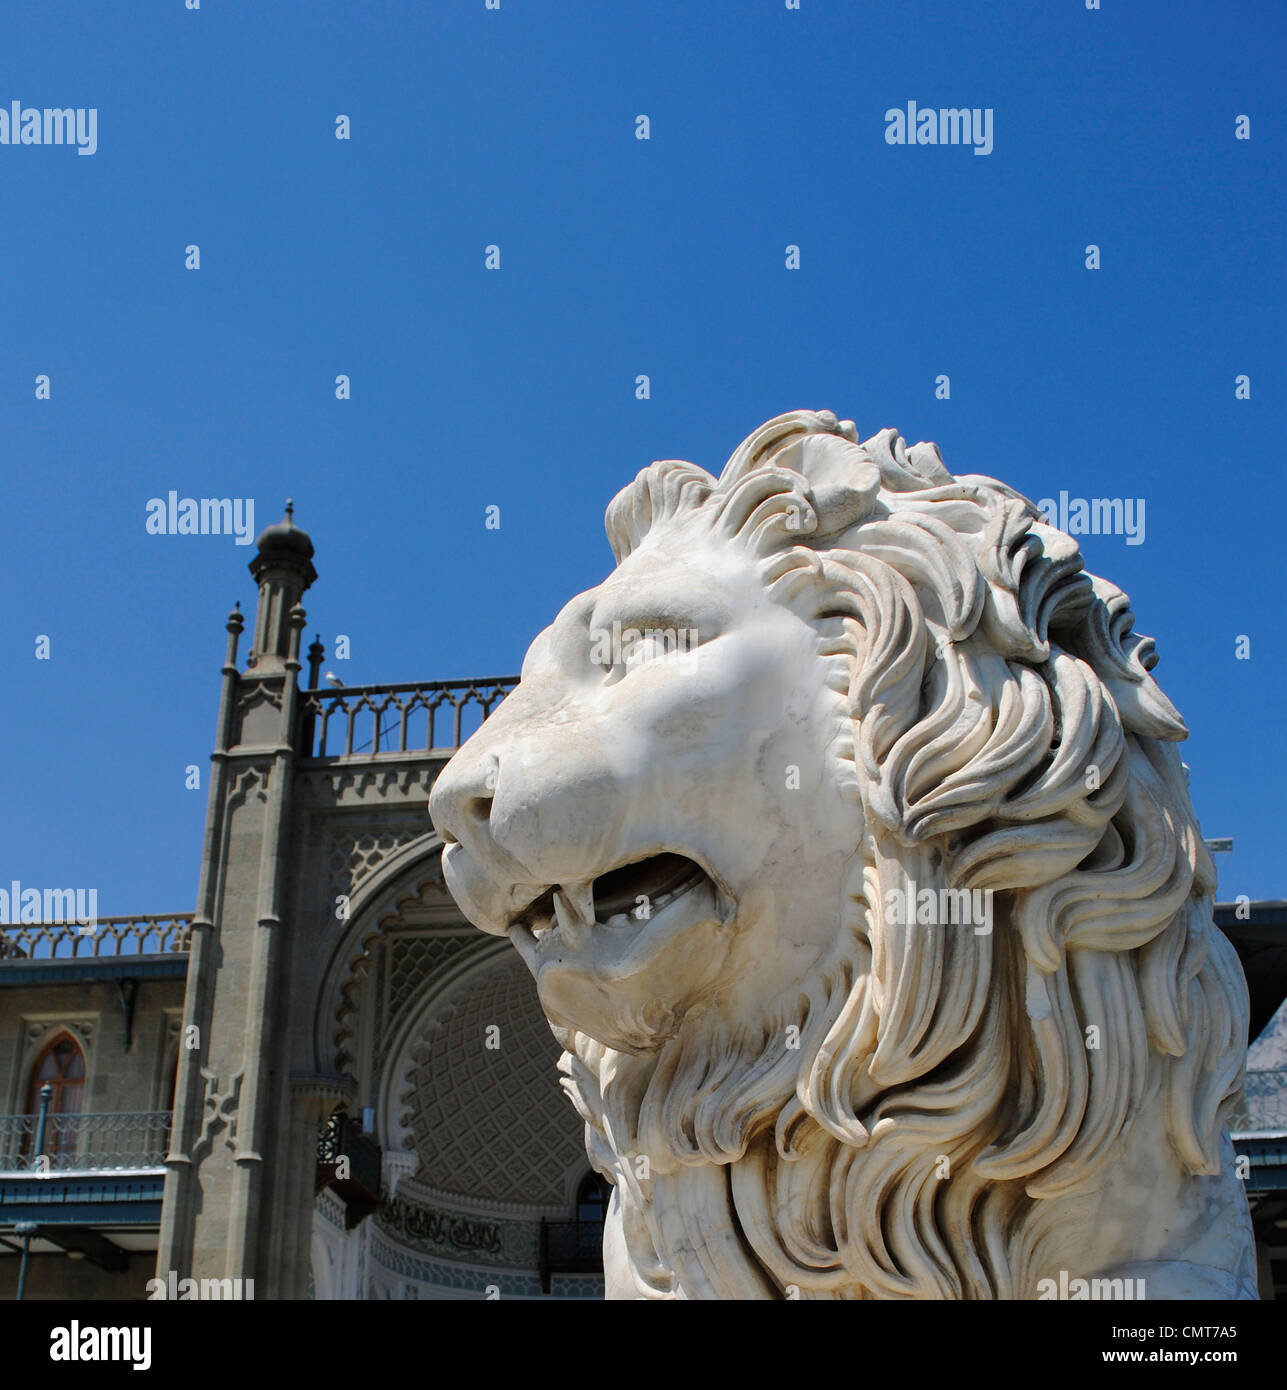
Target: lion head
x=843, y=830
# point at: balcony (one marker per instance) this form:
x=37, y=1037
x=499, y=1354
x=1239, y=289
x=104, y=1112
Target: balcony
x=121, y=1142
x=93, y=1175
x=348, y=1162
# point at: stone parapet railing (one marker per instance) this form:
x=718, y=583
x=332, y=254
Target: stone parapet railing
x=419, y=717
x=164, y=934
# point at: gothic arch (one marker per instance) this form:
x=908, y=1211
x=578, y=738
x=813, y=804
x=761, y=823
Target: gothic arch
x=37, y=1032
x=61, y=1063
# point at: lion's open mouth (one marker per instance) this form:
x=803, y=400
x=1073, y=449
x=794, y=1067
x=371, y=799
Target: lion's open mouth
x=629, y=894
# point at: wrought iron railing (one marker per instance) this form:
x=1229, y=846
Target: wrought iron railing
x=124, y=1141
x=349, y=1162
x=418, y=717
x=1263, y=1106
x=108, y=936
x=339, y=1135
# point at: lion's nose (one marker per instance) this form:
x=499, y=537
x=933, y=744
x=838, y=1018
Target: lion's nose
x=460, y=804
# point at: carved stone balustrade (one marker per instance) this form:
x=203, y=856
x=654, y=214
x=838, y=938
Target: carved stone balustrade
x=419, y=716
x=164, y=934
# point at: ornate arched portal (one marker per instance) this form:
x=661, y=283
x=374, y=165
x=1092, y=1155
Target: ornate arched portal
x=453, y=1070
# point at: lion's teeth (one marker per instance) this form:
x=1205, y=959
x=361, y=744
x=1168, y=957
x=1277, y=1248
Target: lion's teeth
x=563, y=911
x=580, y=899
x=570, y=907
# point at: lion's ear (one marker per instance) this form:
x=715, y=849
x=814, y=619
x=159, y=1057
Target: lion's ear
x=829, y=460
x=843, y=481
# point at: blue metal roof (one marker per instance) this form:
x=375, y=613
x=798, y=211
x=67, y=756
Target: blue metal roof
x=82, y=1199
x=69, y=970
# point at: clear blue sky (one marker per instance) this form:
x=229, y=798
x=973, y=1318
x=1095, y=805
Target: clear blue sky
x=618, y=257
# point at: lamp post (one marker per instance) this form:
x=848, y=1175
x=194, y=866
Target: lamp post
x=27, y=1229
x=46, y=1095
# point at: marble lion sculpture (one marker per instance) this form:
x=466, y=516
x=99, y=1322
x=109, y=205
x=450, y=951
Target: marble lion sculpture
x=844, y=832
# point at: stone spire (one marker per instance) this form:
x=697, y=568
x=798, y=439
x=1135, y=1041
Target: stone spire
x=283, y=569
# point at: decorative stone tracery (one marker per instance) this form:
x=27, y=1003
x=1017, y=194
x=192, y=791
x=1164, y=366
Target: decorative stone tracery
x=480, y=1107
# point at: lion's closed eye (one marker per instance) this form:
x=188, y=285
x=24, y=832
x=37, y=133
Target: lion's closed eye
x=625, y=644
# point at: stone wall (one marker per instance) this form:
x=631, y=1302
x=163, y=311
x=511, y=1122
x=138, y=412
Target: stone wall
x=92, y=1012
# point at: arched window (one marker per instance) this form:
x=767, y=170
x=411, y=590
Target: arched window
x=61, y=1067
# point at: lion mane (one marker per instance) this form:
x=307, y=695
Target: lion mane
x=997, y=719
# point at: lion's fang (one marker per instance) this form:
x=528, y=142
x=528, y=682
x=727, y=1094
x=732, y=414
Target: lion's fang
x=574, y=904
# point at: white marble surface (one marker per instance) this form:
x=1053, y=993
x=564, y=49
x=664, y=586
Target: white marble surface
x=832, y=685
